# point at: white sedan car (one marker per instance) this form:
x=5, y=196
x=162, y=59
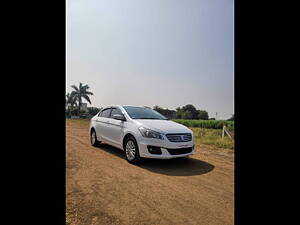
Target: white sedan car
x=141, y=132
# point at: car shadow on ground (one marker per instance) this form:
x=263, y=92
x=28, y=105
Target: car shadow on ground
x=186, y=166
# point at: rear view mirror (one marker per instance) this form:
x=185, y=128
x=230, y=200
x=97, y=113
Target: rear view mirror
x=119, y=117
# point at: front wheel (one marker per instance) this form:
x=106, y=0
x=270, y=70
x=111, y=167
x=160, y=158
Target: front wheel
x=132, y=151
x=94, y=140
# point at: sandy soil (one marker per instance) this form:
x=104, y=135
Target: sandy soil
x=103, y=188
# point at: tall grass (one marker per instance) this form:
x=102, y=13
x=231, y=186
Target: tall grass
x=209, y=124
x=209, y=132
x=212, y=137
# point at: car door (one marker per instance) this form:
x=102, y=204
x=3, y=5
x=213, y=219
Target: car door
x=102, y=124
x=115, y=131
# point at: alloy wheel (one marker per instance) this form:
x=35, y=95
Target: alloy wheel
x=130, y=150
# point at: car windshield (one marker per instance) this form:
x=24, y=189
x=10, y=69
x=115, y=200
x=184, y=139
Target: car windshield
x=143, y=113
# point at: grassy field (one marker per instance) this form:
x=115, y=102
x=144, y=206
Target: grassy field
x=209, y=132
x=210, y=124
x=212, y=137
x=205, y=136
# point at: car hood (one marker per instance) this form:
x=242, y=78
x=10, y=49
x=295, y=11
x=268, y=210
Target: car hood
x=162, y=126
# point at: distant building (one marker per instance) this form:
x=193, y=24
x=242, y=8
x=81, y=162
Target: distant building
x=83, y=107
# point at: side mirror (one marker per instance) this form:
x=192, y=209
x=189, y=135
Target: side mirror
x=119, y=117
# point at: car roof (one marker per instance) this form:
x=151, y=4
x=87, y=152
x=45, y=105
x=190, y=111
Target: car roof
x=112, y=106
x=139, y=106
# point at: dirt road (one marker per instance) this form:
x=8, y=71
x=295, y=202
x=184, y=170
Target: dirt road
x=103, y=188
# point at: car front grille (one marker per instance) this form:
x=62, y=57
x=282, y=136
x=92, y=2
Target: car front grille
x=179, y=137
x=180, y=151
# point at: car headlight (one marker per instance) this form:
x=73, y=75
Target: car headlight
x=150, y=133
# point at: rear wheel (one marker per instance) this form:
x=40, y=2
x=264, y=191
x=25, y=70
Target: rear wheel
x=94, y=141
x=132, y=150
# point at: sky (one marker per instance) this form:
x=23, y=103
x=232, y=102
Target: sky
x=153, y=52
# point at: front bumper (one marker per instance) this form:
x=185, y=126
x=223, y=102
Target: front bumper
x=166, y=147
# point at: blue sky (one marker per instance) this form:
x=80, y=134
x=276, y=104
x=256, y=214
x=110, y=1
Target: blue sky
x=153, y=52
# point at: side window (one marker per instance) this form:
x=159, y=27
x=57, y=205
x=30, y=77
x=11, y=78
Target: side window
x=105, y=113
x=115, y=111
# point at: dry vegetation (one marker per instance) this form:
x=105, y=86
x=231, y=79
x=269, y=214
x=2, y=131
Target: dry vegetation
x=212, y=137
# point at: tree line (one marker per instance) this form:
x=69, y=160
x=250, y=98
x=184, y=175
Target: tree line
x=188, y=112
x=185, y=112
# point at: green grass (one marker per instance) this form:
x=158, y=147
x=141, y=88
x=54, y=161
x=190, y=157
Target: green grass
x=212, y=137
x=210, y=124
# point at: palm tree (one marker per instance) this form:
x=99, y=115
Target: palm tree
x=70, y=101
x=81, y=92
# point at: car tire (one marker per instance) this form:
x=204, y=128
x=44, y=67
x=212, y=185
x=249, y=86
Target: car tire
x=131, y=149
x=94, y=140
